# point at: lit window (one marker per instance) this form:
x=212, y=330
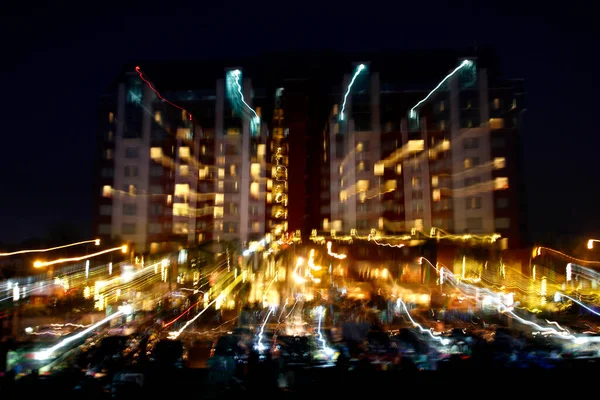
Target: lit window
x=415, y=145
x=442, y=125
x=218, y=212
x=496, y=103
x=221, y=173
x=219, y=199
x=255, y=170
x=435, y=181
x=378, y=169
x=442, y=106
x=158, y=117
x=496, y=123
x=255, y=190
x=359, y=147
x=445, y=144
x=203, y=173
x=155, y=153
x=362, y=185
x=416, y=183
x=499, y=162
x=468, y=163
x=106, y=191
x=180, y=209
x=436, y=195
x=232, y=170
x=184, y=152
x=108, y=154
x=184, y=170
x=111, y=117
x=182, y=189
x=398, y=169
x=501, y=183
x=343, y=196
x=361, y=166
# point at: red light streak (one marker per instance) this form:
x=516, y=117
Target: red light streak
x=182, y=314
x=140, y=73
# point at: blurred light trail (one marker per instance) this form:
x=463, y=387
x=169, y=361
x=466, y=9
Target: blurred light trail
x=359, y=69
x=40, y=264
x=465, y=63
x=326, y=349
x=138, y=70
x=259, y=345
x=175, y=334
x=442, y=340
x=95, y=241
x=590, y=243
x=558, y=294
x=46, y=354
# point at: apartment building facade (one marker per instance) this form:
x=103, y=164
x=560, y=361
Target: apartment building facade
x=445, y=157
x=182, y=167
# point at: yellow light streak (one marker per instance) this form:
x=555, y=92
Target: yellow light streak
x=40, y=264
x=95, y=241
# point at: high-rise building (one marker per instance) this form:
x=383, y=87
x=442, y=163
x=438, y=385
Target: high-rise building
x=194, y=153
x=441, y=152
x=182, y=166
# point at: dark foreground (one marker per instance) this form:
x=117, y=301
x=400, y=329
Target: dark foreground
x=316, y=383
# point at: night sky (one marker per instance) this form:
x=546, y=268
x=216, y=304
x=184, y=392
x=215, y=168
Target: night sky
x=56, y=62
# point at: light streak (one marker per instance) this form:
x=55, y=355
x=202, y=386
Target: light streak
x=137, y=69
x=96, y=241
x=40, y=264
x=45, y=354
x=259, y=345
x=465, y=63
x=236, y=77
x=356, y=73
x=175, y=334
x=443, y=341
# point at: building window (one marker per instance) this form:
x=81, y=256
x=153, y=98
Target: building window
x=442, y=106
x=104, y=229
x=108, y=154
x=471, y=162
x=132, y=152
x=155, y=209
x=105, y=210
x=496, y=104
x=499, y=162
x=111, y=117
x=502, y=223
x=472, y=180
x=106, y=172
x=417, y=195
x=471, y=143
x=501, y=183
x=475, y=224
x=107, y=191
x=436, y=195
x=131, y=171
x=128, y=228
x=473, y=203
x=498, y=143
x=129, y=209
x=442, y=125
x=155, y=228
x=417, y=183
x=502, y=202
x=496, y=123
x=156, y=171
x=156, y=153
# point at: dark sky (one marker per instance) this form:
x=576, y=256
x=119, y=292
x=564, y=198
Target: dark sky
x=56, y=61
